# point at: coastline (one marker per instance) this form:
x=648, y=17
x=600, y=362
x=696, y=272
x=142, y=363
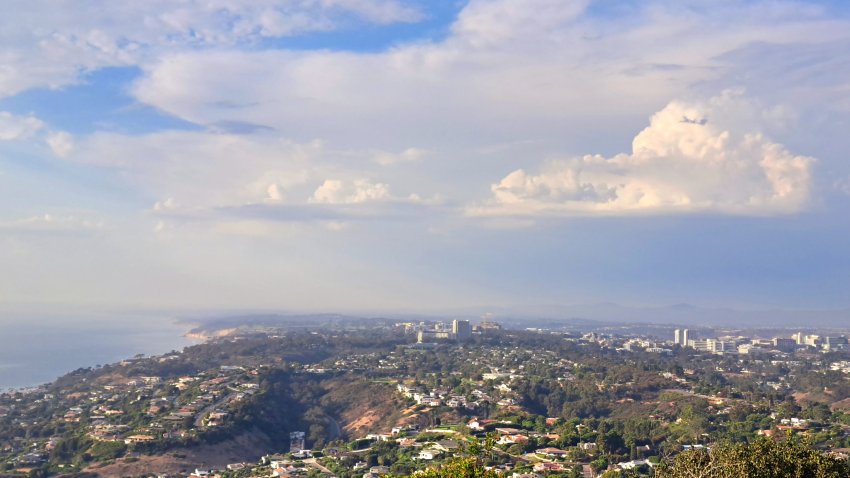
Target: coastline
x=45, y=349
x=202, y=336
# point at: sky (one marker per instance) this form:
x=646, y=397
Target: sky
x=393, y=155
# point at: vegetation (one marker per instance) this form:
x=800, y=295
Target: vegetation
x=463, y=467
x=761, y=459
x=596, y=404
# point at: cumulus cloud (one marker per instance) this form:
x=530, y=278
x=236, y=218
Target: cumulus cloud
x=363, y=191
x=335, y=191
x=273, y=193
x=18, y=127
x=335, y=204
x=693, y=157
x=210, y=177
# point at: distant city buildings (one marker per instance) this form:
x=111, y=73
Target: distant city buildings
x=785, y=345
x=827, y=342
x=711, y=345
x=432, y=335
x=750, y=346
x=835, y=343
x=461, y=329
x=682, y=337
x=489, y=326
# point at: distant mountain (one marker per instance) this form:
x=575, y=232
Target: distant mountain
x=685, y=315
x=582, y=316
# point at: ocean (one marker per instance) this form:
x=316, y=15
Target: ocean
x=34, y=351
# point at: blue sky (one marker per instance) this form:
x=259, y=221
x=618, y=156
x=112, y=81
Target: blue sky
x=380, y=155
x=100, y=101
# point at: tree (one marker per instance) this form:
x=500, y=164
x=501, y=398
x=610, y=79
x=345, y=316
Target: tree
x=599, y=464
x=761, y=459
x=467, y=467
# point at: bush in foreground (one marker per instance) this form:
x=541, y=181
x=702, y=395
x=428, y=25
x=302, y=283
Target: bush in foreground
x=761, y=459
x=467, y=467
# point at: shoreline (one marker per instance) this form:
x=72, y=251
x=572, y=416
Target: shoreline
x=184, y=332
x=203, y=336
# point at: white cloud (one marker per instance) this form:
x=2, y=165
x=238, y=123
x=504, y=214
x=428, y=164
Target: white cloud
x=243, y=180
x=509, y=72
x=18, y=127
x=202, y=170
x=688, y=159
x=385, y=158
x=510, y=83
x=335, y=191
x=52, y=50
x=61, y=142
x=365, y=191
x=166, y=205
x=496, y=22
x=377, y=11
x=273, y=193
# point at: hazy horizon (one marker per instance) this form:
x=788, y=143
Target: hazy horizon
x=681, y=314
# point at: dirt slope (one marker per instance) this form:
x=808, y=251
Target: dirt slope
x=249, y=446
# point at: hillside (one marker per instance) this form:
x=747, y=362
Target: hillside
x=334, y=401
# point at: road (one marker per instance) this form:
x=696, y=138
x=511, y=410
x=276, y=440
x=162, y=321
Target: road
x=312, y=462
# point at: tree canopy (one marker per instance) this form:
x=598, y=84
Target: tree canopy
x=761, y=459
x=465, y=467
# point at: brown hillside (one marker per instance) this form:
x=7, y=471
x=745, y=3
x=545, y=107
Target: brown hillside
x=363, y=407
x=248, y=446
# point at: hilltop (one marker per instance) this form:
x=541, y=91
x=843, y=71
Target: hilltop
x=348, y=399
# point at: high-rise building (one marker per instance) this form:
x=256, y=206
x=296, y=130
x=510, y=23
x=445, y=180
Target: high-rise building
x=686, y=337
x=677, y=337
x=785, y=345
x=812, y=340
x=461, y=329
x=834, y=342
